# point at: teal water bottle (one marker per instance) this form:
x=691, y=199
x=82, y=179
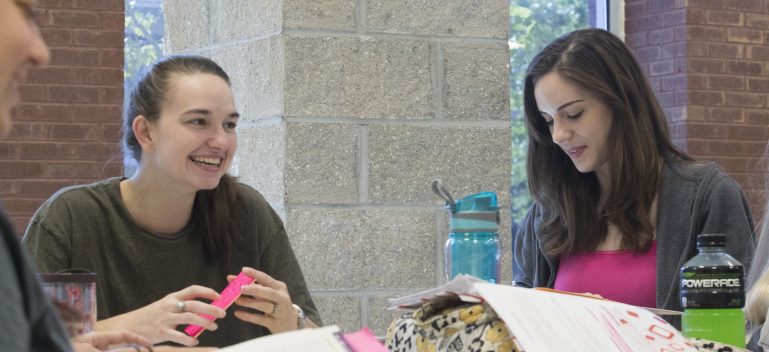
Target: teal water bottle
x=713, y=293
x=473, y=243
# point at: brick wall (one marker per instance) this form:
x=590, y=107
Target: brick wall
x=708, y=61
x=67, y=126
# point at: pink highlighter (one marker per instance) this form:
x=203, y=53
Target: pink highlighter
x=228, y=296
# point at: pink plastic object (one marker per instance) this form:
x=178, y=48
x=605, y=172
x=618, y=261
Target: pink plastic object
x=228, y=295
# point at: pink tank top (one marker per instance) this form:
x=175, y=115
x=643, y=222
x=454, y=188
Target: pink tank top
x=621, y=275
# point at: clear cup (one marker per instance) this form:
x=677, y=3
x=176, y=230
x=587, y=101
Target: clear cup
x=73, y=293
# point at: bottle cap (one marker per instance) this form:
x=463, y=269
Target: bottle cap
x=475, y=213
x=711, y=240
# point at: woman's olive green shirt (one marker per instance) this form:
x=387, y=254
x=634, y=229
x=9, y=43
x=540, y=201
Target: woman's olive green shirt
x=88, y=227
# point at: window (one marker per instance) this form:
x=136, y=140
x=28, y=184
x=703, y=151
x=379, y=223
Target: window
x=143, y=37
x=533, y=24
x=143, y=45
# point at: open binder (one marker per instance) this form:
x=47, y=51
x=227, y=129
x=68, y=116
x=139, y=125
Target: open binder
x=548, y=320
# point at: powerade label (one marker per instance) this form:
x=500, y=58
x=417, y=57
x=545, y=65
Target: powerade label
x=712, y=287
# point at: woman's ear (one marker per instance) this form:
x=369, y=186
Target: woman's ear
x=142, y=130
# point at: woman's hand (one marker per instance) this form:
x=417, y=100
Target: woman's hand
x=97, y=341
x=157, y=322
x=271, y=301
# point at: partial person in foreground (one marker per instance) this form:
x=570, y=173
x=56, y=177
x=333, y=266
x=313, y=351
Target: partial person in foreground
x=617, y=206
x=28, y=320
x=167, y=239
x=757, y=286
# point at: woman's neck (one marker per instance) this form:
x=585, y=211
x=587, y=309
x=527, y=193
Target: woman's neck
x=157, y=206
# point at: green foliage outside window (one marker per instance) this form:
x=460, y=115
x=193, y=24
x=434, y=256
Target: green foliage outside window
x=143, y=45
x=533, y=24
x=143, y=40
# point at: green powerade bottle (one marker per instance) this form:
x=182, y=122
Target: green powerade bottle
x=713, y=293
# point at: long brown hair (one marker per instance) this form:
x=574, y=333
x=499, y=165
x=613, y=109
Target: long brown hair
x=598, y=62
x=211, y=208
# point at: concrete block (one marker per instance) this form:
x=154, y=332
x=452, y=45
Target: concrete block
x=319, y=14
x=186, y=25
x=256, y=73
x=476, y=82
x=260, y=161
x=343, y=311
x=244, y=19
x=357, y=77
x=404, y=159
x=379, y=318
x=321, y=163
x=352, y=249
x=478, y=18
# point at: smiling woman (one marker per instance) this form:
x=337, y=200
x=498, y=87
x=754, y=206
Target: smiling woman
x=180, y=227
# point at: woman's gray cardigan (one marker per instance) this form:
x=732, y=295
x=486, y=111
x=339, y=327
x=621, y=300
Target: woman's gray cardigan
x=694, y=198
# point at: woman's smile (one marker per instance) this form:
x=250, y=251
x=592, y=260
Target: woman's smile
x=207, y=161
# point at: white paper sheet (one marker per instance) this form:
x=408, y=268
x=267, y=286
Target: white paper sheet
x=547, y=321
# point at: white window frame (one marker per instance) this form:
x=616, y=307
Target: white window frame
x=616, y=12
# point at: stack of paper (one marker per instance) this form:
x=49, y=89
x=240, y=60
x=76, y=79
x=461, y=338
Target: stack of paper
x=548, y=321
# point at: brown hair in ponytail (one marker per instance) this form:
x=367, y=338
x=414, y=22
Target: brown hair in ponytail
x=211, y=209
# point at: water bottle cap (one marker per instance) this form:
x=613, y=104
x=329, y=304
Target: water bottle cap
x=475, y=213
x=484, y=201
x=711, y=240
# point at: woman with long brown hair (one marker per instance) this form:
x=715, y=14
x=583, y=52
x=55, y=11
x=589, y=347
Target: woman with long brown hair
x=617, y=205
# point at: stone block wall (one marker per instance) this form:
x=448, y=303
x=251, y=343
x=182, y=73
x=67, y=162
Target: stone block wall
x=350, y=108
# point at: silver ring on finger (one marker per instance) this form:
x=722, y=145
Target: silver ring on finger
x=274, y=309
x=181, y=307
